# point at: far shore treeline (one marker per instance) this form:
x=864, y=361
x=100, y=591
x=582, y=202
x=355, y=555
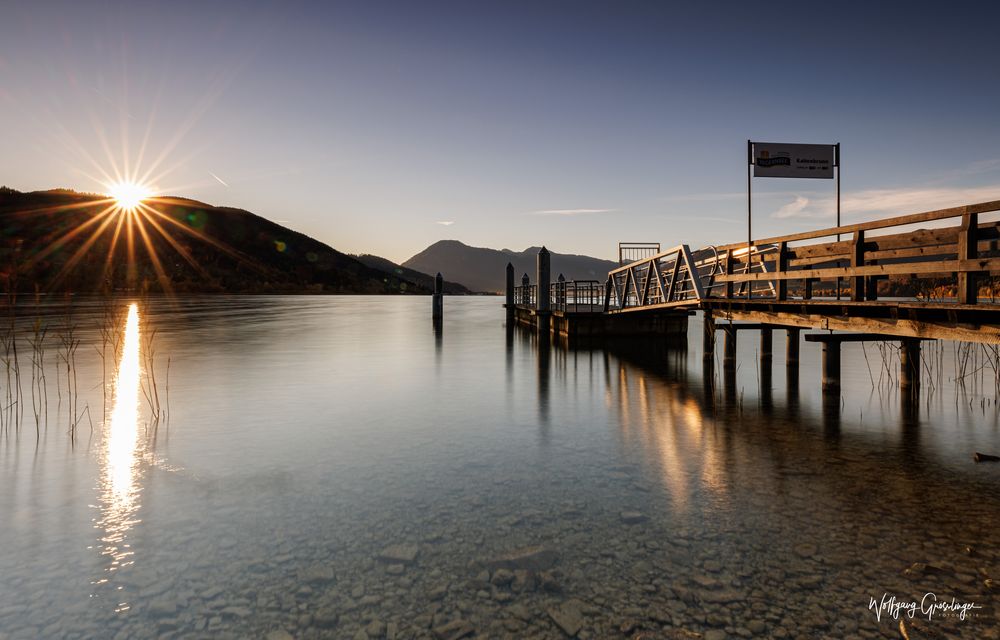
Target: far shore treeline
x=65, y=241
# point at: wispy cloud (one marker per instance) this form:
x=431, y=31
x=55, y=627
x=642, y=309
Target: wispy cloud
x=570, y=212
x=446, y=223
x=793, y=208
x=886, y=202
x=221, y=181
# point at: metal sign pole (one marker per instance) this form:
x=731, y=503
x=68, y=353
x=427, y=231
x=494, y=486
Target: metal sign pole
x=749, y=216
x=836, y=163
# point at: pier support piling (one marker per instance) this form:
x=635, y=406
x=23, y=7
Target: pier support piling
x=909, y=366
x=766, y=345
x=729, y=354
x=792, y=348
x=831, y=366
x=708, y=337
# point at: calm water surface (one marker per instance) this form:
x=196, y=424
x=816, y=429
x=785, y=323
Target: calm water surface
x=332, y=467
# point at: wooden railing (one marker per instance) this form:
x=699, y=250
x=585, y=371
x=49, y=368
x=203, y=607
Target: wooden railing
x=965, y=251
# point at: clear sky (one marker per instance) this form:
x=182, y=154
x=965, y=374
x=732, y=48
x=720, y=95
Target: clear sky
x=382, y=127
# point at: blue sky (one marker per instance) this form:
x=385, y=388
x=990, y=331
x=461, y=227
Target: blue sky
x=368, y=125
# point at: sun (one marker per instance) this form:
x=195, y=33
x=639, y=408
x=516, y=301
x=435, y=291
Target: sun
x=129, y=195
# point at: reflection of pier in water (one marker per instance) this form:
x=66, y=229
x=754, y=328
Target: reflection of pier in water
x=673, y=411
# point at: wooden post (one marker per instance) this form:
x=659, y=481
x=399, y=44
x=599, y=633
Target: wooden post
x=968, y=245
x=831, y=366
x=781, y=265
x=807, y=289
x=729, y=353
x=525, y=296
x=708, y=339
x=437, y=303
x=871, y=288
x=909, y=366
x=858, y=260
x=542, y=275
x=510, y=293
x=542, y=302
x=766, y=345
x=729, y=271
x=792, y=348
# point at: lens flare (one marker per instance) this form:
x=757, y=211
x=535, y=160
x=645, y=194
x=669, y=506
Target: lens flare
x=129, y=195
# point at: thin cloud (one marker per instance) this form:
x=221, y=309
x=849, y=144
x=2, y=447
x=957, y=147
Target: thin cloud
x=884, y=202
x=793, y=208
x=446, y=223
x=570, y=212
x=221, y=181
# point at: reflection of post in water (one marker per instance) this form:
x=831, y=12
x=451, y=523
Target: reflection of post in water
x=509, y=351
x=831, y=416
x=544, y=364
x=438, y=338
x=909, y=422
x=766, y=368
x=792, y=367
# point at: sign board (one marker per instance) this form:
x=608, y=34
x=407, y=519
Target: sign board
x=775, y=160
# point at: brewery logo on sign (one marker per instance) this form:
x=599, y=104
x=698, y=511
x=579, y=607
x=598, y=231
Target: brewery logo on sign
x=780, y=160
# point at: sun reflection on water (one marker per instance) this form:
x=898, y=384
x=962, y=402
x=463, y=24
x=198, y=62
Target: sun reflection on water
x=121, y=454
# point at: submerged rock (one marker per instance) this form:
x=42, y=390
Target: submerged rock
x=454, y=630
x=535, y=558
x=633, y=517
x=568, y=616
x=399, y=554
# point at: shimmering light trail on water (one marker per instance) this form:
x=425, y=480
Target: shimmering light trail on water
x=120, y=489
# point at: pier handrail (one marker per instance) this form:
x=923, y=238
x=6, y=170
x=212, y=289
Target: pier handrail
x=965, y=252
x=898, y=221
x=579, y=296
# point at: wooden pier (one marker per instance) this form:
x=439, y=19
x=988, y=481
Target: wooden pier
x=826, y=280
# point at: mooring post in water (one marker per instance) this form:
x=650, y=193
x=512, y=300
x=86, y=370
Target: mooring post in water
x=909, y=366
x=729, y=352
x=708, y=338
x=525, y=292
x=438, y=298
x=542, y=275
x=510, y=293
x=831, y=365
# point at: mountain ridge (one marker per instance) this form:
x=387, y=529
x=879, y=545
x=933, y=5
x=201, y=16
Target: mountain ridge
x=60, y=240
x=483, y=269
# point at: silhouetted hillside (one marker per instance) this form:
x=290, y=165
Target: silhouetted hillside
x=482, y=269
x=66, y=241
x=423, y=279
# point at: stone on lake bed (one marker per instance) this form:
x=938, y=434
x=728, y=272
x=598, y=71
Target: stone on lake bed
x=399, y=554
x=534, y=558
x=162, y=607
x=326, y=617
x=454, y=630
x=316, y=574
x=568, y=616
x=633, y=517
x=279, y=634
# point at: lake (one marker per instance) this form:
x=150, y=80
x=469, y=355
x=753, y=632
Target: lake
x=333, y=467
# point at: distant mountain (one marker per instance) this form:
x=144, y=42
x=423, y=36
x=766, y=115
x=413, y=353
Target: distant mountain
x=482, y=269
x=62, y=240
x=423, y=279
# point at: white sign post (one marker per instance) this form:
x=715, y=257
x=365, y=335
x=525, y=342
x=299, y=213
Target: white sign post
x=778, y=160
